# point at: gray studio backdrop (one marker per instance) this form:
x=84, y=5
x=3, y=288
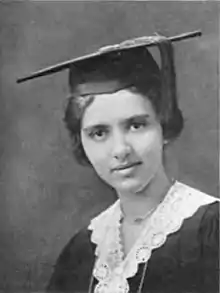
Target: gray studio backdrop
x=45, y=196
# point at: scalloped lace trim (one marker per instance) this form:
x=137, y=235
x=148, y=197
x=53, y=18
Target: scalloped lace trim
x=111, y=270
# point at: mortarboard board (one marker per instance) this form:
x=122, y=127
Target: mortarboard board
x=113, y=67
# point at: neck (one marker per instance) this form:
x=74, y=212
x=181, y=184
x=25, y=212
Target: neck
x=137, y=204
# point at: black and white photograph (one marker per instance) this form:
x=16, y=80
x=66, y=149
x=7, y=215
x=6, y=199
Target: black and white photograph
x=109, y=139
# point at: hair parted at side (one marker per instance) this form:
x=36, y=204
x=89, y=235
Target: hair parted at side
x=74, y=110
x=172, y=123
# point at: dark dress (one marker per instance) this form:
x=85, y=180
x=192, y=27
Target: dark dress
x=188, y=262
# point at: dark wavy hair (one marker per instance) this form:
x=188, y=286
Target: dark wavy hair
x=169, y=114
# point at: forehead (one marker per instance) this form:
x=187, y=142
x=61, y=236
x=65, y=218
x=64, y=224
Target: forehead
x=116, y=107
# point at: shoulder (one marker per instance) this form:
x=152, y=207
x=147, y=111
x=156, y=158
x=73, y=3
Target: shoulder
x=74, y=264
x=204, y=221
x=209, y=225
x=84, y=240
x=195, y=199
x=79, y=245
x=195, y=193
x=207, y=206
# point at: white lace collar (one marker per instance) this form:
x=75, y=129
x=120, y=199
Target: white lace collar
x=111, y=270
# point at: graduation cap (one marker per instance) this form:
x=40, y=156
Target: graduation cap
x=114, y=67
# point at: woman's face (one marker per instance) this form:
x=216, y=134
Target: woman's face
x=123, y=140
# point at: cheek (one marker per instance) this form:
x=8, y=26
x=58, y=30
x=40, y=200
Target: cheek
x=94, y=153
x=151, y=142
x=88, y=148
x=100, y=163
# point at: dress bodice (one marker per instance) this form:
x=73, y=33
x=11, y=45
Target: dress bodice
x=179, y=245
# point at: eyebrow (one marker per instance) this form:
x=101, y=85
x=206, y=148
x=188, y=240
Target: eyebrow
x=123, y=121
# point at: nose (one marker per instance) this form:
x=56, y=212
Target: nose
x=121, y=148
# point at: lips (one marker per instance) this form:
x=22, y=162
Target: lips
x=126, y=166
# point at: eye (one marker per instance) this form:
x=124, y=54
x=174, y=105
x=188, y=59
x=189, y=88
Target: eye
x=98, y=134
x=137, y=125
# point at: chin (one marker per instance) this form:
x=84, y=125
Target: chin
x=131, y=187
x=134, y=185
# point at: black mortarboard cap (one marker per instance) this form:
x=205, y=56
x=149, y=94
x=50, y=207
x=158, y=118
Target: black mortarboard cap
x=118, y=66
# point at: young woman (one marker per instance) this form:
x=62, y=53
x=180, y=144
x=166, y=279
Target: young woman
x=160, y=235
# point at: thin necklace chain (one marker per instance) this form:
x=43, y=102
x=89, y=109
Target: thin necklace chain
x=138, y=220
x=139, y=287
x=142, y=278
x=91, y=283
